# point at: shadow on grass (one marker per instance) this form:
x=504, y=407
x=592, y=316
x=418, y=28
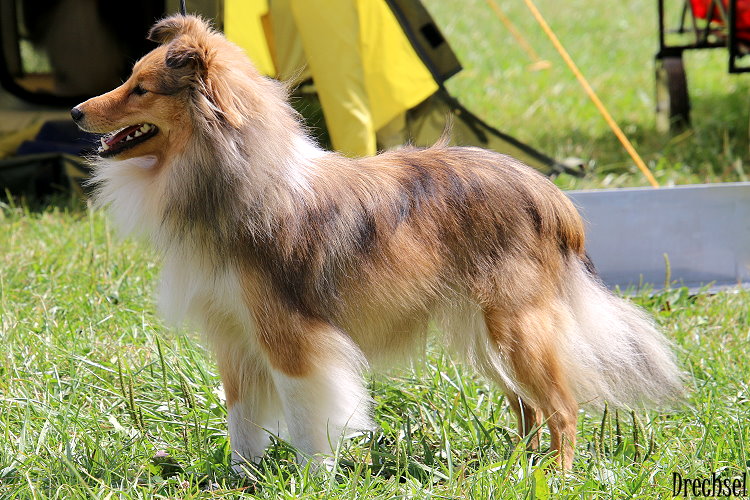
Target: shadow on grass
x=25, y=203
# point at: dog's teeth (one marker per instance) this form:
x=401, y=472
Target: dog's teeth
x=145, y=128
x=129, y=138
x=138, y=133
x=105, y=146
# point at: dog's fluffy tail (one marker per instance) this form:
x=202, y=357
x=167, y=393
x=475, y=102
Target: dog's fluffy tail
x=613, y=351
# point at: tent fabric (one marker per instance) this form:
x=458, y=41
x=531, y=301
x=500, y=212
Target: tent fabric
x=43, y=174
x=366, y=71
x=243, y=24
x=332, y=48
x=426, y=38
x=441, y=113
x=395, y=76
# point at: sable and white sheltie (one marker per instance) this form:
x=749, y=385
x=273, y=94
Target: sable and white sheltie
x=303, y=268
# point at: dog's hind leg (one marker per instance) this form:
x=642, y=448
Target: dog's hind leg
x=525, y=340
x=470, y=337
x=529, y=419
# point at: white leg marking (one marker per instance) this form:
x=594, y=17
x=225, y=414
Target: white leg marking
x=323, y=407
x=252, y=421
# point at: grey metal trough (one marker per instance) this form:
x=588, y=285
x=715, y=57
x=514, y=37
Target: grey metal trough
x=704, y=231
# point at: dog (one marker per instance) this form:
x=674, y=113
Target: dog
x=304, y=268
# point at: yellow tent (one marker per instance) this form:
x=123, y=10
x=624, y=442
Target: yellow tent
x=378, y=68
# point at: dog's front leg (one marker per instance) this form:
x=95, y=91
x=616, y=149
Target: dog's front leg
x=323, y=407
x=317, y=373
x=253, y=408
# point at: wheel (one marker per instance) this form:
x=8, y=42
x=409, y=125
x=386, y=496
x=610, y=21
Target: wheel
x=672, y=100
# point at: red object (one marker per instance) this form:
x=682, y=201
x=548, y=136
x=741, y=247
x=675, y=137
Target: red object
x=701, y=7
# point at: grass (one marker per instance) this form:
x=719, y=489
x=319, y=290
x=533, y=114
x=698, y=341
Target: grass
x=614, y=45
x=93, y=387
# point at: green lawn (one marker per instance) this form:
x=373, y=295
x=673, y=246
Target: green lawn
x=92, y=386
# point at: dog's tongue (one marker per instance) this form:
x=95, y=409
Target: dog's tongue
x=122, y=134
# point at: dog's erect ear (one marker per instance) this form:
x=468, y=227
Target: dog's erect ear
x=171, y=27
x=185, y=53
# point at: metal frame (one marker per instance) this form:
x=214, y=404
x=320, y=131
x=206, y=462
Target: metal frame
x=708, y=35
x=734, y=42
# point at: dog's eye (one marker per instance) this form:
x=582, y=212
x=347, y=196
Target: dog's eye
x=138, y=90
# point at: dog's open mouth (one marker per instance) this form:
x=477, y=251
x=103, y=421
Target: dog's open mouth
x=126, y=138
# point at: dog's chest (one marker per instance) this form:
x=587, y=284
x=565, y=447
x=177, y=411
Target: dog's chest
x=192, y=291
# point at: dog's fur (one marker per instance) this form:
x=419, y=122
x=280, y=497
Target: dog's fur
x=303, y=267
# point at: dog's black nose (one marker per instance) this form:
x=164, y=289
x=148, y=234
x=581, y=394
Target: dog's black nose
x=76, y=113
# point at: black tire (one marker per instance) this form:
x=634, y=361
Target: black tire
x=672, y=99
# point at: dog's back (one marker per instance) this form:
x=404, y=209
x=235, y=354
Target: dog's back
x=423, y=221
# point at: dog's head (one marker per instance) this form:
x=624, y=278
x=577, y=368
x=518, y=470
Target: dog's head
x=194, y=78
